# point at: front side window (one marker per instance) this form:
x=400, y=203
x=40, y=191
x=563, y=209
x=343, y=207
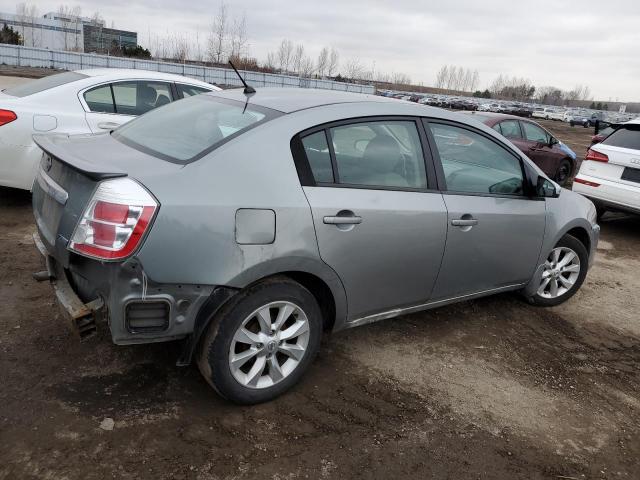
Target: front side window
x=99, y=99
x=510, y=129
x=136, y=98
x=185, y=91
x=534, y=133
x=379, y=154
x=186, y=130
x=474, y=164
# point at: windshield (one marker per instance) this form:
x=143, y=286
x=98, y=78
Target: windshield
x=42, y=84
x=186, y=130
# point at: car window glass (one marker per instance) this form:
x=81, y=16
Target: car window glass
x=317, y=150
x=385, y=154
x=136, y=98
x=42, y=84
x=473, y=163
x=534, y=133
x=184, y=131
x=185, y=91
x=624, y=138
x=99, y=99
x=510, y=129
x=497, y=128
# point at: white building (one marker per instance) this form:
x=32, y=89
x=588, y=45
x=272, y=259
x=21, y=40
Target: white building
x=56, y=31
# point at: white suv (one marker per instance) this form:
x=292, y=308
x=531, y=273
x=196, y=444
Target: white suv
x=610, y=174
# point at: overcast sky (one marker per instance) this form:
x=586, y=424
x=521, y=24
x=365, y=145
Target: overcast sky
x=560, y=43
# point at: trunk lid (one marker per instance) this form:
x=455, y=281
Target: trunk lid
x=70, y=169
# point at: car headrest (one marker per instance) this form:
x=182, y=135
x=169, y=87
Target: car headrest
x=382, y=153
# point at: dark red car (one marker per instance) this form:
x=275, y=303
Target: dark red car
x=553, y=157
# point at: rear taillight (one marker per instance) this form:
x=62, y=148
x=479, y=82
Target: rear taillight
x=596, y=156
x=586, y=182
x=114, y=222
x=7, y=116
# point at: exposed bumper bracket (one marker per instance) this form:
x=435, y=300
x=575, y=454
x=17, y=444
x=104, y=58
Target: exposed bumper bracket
x=80, y=316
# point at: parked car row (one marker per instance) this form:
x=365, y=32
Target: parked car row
x=245, y=224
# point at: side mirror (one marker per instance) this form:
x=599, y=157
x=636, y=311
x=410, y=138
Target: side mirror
x=547, y=188
x=552, y=141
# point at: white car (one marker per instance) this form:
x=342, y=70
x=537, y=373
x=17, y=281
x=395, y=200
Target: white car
x=543, y=113
x=610, y=173
x=557, y=115
x=80, y=102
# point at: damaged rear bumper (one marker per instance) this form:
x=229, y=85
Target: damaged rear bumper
x=81, y=317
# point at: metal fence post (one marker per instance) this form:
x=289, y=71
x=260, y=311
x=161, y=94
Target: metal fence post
x=19, y=57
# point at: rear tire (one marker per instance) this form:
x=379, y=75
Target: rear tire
x=565, y=271
x=261, y=343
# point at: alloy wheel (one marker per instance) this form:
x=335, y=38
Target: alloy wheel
x=269, y=345
x=561, y=271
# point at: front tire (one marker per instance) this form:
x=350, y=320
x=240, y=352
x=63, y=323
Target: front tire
x=563, y=173
x=564, y=272
x=261, y=343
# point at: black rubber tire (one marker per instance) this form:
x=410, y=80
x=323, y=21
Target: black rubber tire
x=563, y=173
x=213, y=350
x=572, y=123
x=577, y=246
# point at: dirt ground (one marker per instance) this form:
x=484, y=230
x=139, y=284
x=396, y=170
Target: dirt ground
x=488, y=389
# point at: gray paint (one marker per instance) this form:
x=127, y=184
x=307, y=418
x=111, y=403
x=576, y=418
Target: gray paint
x=387, y=265
x=255, y=226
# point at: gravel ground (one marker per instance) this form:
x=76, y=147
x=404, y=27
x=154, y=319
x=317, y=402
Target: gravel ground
x=492, y=388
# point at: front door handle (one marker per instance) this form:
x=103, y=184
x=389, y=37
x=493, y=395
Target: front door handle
x=108, y=125
x=470, y=222
x=351, y=220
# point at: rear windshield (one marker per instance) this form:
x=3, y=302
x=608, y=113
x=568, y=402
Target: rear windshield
x=42, y=84
x=188, y=129
x=626, y=137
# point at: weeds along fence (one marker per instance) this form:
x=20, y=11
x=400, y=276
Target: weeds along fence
x=19, y=56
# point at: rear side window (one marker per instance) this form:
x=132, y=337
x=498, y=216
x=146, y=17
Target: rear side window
x=474, y=164
x=510, y=129
x=379, y=154
x=136, y=98
x=189, y=129
x=319, y=157
x=185, y=91
x=42, y=84
x=100, y=100
x=534, y=133
x=627, y=137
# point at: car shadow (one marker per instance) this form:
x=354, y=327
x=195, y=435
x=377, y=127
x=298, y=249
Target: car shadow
x=14, y=197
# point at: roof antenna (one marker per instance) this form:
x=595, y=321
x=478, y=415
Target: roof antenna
x=247, y=89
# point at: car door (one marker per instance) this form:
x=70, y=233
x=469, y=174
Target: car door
x=380, y=223
x=539, y=148
x=110, y=105
x=494, y=231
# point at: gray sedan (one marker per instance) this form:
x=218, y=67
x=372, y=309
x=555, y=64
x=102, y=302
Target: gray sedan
x=246, y=225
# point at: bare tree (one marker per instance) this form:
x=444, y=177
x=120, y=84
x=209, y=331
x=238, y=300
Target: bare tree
x=64, y=12
x=297, y=58
x=217, y=43
x=333, y=63
x=307, y=67
x=239, y=37
x=323, y=61
x=353, y=68
x=98, y=22
x=284, y=54
x=76, y=13
x=271, y=61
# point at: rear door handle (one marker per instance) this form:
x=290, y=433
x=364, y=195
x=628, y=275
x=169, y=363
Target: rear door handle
x=464, y=223
x=352, y=220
